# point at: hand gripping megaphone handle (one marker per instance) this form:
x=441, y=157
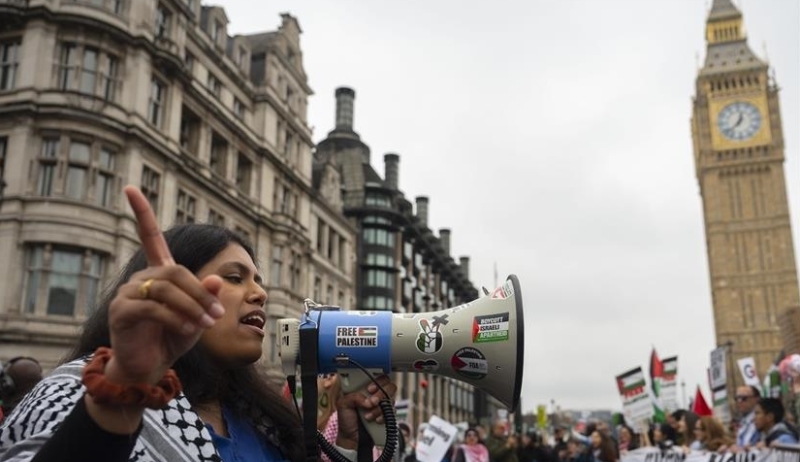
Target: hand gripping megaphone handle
x=355, y=379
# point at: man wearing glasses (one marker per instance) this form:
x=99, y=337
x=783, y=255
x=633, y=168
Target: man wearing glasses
x=747, y=397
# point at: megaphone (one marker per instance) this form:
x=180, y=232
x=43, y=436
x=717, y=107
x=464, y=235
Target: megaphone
x=480, y=343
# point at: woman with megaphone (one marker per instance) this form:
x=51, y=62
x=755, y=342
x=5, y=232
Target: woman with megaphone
x=166, y=366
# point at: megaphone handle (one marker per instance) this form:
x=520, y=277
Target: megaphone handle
x=355, y=379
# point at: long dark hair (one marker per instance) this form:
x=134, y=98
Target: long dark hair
x=193, y=246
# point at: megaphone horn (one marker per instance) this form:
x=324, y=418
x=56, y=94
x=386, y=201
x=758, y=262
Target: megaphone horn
x=481, y=343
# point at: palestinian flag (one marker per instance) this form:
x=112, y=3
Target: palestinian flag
x=656, y=376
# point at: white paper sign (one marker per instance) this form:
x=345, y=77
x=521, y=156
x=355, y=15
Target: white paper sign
x=435, y=440
x=747, y=366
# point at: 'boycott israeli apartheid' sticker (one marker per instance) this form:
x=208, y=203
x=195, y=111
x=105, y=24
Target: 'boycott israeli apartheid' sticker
x=470, y=363
x=490, y=328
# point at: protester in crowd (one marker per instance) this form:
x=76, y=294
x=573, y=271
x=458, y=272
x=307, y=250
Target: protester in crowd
x=180, y=382
x=628, y=441
x=526, y=451
x=747, y=397
x=576, y=451
x=711, y=434
x=768, y=420
x=686, y=429
x=559, y=442
x=674, y=421
x=602, y=447
x=664, y=436
x=472, y=450
x=407, y=449
x=501, y=448
x=18, y=376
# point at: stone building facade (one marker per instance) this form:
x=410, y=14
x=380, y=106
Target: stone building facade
x=97, y=94
x=739, y=157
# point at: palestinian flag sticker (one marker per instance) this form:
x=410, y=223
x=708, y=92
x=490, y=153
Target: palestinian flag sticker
x=470, y=363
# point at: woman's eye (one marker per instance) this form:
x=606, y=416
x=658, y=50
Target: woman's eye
x=235, y=278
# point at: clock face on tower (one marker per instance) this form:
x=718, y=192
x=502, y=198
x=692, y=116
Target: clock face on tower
x=739, y=121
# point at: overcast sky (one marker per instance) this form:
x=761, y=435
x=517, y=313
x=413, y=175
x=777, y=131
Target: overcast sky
x=553, y=138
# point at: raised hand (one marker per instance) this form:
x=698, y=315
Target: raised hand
x=160, y=313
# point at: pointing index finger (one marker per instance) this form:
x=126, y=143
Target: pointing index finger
x=153, y=243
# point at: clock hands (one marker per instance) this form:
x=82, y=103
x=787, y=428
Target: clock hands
x=739, y=120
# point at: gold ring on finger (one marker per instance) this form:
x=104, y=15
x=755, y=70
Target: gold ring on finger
x=144, y=288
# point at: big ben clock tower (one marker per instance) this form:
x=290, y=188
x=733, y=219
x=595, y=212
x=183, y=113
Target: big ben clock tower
x=739, y=157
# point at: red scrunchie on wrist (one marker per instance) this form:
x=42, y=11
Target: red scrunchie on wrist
x=140, y=394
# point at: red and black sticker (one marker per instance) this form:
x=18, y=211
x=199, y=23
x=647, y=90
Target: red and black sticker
x=470, y=363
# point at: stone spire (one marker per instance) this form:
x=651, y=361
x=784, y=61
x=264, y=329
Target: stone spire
x=723, y=9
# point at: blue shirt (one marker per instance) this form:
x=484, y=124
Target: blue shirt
x=243, y=444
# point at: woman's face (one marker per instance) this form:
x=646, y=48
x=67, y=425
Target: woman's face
x=596, y=439
x=682, y=425
x=624, y=435
x=471, y=437
x=657, y=435
x=235, y=339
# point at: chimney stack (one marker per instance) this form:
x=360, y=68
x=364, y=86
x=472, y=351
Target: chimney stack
x=422, y=209
x=345, y=98
x=391, y=170
x=444, y=238
x=464, y=266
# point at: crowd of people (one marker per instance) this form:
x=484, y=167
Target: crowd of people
x=762, y=423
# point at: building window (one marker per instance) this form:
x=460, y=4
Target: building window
x=218, y=161
x=378, y=236
x=342, y=253
x=217, y=31
x=215, y=218
x=340, y=302
x=185, y=208
x=163, y=17
x=190, y=131
x=376, y=302
x=294, y=272
x=188, y=61
x=333, y=239
x=277, y=266
x=284, y=200
x=89, y=168
x=110, y=78
x=317, y=289
x=238, y=108
x=379, y=259
x=66, y=65
x=378, y=200
x=80, y=154
x=114, y=6
x=47, y=166
x=3, y=148
x=214, y=85
x=9, y=60
x=329, y=295
x=380, y=278
x=241, y=57
x=83, y=77
x=320, y=235
x=89, y=71
x=244, y=172
x=158, y=96
x=62, y=280
x=151, y=186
